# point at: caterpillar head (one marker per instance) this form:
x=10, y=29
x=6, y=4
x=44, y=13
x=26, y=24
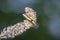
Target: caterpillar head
x=30, y=15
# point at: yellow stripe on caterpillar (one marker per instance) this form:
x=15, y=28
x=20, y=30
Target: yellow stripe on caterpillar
x=27, y=17
x=32, y=21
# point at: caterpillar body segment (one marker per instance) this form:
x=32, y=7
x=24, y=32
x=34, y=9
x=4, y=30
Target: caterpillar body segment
x=30, y=15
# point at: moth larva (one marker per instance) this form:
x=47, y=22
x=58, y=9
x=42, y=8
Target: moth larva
x=19, y=28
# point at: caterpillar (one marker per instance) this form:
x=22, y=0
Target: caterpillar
x=19, y=28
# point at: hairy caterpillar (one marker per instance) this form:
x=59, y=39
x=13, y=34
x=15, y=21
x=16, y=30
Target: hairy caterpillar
x=19, y=28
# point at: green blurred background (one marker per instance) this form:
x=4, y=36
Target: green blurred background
x=11, y=13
